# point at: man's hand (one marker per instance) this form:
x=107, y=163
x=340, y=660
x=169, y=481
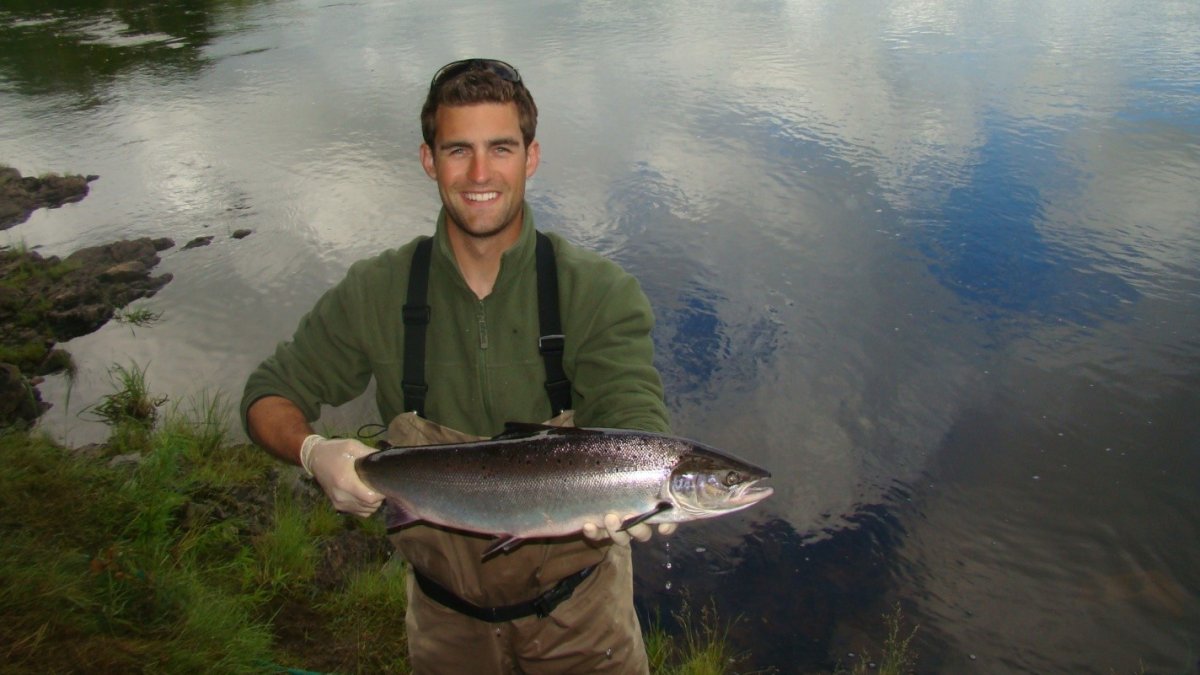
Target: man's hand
x=611, y=529
x=331, y=462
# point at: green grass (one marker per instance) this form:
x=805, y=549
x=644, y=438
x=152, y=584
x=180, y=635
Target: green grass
x=701, y=648
x=130, y=405
x=136, y=318
x=193, y=554
x=896, y=656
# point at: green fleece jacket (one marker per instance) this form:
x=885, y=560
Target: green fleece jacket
x=482, y=363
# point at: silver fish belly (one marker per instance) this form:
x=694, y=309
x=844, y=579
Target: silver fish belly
x=535, y=481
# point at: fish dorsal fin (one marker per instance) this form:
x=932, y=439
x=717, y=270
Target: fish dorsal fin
x=525, y=429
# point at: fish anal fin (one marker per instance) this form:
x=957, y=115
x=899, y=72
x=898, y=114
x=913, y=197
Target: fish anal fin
x=396, y=516
x=502, y=544
x=643, y=517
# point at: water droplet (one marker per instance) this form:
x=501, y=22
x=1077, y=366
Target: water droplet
x=668, y=564
x=608, y=653
x=700, y=549
x=668, y=585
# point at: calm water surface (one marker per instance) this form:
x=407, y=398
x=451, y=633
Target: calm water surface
x=935, y=264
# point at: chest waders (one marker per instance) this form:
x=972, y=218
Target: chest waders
x=551, y=342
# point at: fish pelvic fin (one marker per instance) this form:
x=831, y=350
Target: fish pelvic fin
x=396, y=516
x=643, y=517
x=502, y=544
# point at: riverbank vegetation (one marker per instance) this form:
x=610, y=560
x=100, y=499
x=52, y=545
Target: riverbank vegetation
x=169, y=549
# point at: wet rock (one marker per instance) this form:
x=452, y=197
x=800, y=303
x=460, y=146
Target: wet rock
x=44, y=301
x=19, y=401
x=21, y=195
x=241, y=234
x=198, y=242
x=125, y=272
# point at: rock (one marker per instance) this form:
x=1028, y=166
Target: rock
x=241, y=234
x=19, y=401
x=198, y=242
x=125, y=272
x=130, y=459
x=20, y=196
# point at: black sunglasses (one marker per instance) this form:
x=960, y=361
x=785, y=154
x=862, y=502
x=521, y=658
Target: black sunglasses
x=503, y=70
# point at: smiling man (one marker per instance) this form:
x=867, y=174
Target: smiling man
x=486, y=322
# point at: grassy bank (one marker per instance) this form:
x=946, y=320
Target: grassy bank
x=168, y=549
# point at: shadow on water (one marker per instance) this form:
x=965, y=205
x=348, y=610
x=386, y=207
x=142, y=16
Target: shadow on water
x=81, y=47
x=786, y=596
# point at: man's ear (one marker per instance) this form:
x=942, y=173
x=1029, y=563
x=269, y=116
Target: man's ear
x=533, y=155
x=427, y=161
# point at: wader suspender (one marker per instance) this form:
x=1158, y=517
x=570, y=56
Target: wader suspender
x=416, y=322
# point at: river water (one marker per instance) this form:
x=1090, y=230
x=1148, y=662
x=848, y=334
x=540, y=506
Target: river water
x=933, y=263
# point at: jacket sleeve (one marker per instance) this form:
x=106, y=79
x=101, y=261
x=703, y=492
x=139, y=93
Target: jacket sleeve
x=614, y=380
x=324, y=363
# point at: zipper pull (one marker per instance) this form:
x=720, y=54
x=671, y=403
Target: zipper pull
x=483, y=336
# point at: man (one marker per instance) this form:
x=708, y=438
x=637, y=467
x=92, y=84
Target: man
x=559, y=606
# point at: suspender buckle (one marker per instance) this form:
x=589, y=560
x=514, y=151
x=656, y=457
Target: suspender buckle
x=416, y=315
x=552, y=345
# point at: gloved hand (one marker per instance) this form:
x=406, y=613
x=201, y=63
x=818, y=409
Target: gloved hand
x=331, y=462
x=610, y=529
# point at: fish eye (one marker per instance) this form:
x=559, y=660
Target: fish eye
x=732, y=478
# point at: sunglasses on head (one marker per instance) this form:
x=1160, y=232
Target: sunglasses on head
x=503, y=70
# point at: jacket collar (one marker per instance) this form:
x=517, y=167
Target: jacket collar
x=512, y=262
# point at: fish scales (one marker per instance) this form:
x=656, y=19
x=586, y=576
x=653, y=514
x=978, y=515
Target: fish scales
x=549, y=482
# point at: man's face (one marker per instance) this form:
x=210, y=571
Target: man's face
x=480, y=163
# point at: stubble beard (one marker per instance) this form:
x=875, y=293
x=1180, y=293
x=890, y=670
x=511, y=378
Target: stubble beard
x=485, y=232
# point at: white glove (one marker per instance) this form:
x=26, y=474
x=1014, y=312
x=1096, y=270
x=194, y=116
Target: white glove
x=331, y=462
x=611, y=529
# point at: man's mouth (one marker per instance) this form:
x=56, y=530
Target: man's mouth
x=480, y=196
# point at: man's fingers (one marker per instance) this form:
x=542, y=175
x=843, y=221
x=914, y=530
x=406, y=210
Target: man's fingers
x=641, y=532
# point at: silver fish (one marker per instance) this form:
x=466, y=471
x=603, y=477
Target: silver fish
x=535, y=481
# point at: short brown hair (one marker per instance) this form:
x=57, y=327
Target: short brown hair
x=475, y=86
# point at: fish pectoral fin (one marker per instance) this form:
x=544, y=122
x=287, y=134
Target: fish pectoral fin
x=643, y=517
x=395, y=516
x=502, y=544
x=523, y=429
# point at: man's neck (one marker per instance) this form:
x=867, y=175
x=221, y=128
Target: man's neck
x=479, y=258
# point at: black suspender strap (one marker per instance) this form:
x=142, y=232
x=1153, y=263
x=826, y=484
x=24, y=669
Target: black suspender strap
x=552, y=342
x=416, y=322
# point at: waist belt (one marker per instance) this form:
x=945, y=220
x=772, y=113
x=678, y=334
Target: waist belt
x=540, y=606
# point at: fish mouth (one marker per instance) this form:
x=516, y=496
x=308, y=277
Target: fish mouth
x=749, y=493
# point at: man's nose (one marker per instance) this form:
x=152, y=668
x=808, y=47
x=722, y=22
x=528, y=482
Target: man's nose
x=478, y=171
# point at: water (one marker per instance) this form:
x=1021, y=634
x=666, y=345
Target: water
x=932, y=263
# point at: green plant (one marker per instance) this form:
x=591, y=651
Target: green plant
x=702, y=648
x=287, y=552
x=136, y=318
x=897, y=657
x=130, y=403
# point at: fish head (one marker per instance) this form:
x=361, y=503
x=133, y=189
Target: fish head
x=706, y=483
